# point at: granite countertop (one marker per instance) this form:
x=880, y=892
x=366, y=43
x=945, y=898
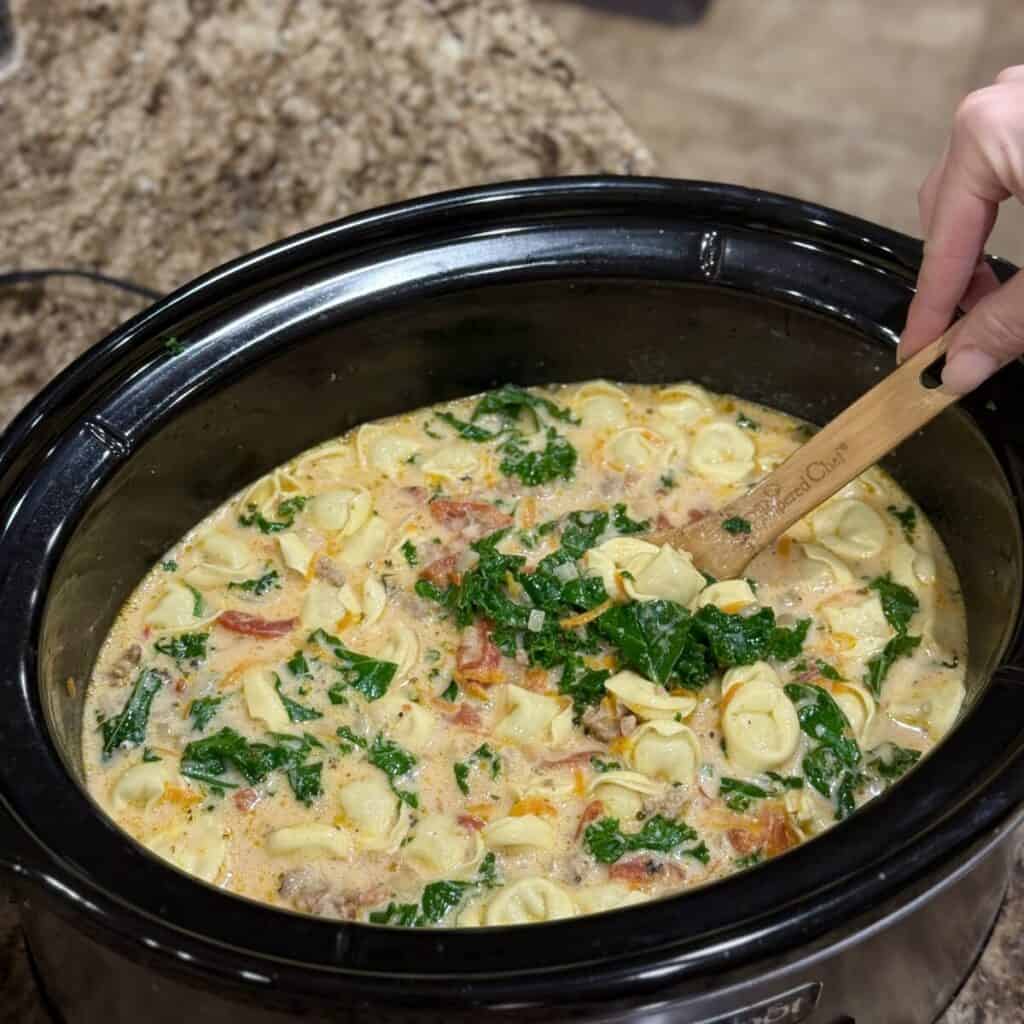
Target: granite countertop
x=154, y=141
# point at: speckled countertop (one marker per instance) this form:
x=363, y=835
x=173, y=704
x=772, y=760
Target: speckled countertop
x=157, y=140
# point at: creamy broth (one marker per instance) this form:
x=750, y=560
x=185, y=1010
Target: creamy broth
x=431, y=673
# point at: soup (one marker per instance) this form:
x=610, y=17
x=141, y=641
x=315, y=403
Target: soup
x=433, y=674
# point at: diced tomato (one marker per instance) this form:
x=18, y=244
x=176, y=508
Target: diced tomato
x=441, y=572
x=591, y=812
x=467, y=717
x=471, y=821
x=246, y=799
x=743, y=840
x=255, y=625
x=571, y=760
x=459, y=515
x=641, y=871
x=477, y=659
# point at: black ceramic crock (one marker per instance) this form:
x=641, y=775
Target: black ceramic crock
x=641, y=280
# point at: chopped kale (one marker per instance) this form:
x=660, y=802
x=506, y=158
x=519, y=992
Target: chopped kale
x=184, y=647
x=584, y=685
x=298, y=666
x=394, y=762
x=169, y=566
x=467, y=431
x=898, y=602
x=607, y=843
x=556, y=461
x=198, y=604
x=287, y=510
x=260, y=585
x=509, y=402
x=739, y=795
x=482, y=754
x=410, y=554
x=832, y=767
x=743, y=420
x=749, y=860
x=350, y=740
x=128, y=727
x=296, y=712
x=890, y=761
x=201, y=711
x=149, y=756
x=900, y=646
x=604, y=766
x=452, y=693
x=744, y=639
x=907, y=518
x=736, y=524
x=828, y=671
x=367, y=675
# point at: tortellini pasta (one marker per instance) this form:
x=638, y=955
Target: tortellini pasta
x=760, y=725
x=649, y=700
x=295, y=553
x=142, y=784
x=366, y=544
x=602, y=406
x=861, y=621
x=529, y=901
x=633, y=448
x=644, y=571
x=529, y=715
x=857, y=705
x=527, y=830
x=622, y=793
x=439, y=847
x=373, y=813
x=722, y=452
x=384, y=450
x=342, y=511
x=322, y=607
x=314, y=840
x=666, y=750
x=179, y=608
x=684, y=403
x=453, y=462
x=759, y=670
x=730, y=596
x=593, y=899
x=222, y=559
x=199, y=850
x=261, y=699
x=831, y=568
x=850, y=529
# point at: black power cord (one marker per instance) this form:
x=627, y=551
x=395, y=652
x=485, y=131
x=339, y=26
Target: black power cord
x=13, y=277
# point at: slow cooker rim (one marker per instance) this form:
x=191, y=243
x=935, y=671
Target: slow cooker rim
x=116, y=339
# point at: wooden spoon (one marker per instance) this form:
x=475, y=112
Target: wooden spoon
x=724, y=541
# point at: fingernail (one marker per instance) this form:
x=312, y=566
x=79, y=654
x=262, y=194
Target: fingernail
x=899, y=352
x=966, y=369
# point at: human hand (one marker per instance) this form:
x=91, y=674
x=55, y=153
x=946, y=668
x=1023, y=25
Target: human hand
x=983, y=164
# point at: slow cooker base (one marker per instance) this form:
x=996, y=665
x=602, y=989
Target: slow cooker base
x=888, y=970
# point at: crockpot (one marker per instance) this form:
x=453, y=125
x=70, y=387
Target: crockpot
x=640, y=280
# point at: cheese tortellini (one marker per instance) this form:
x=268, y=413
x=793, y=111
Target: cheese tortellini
x=198, y=850
x=760, y=725
x=529, y=716
x=372, y=812
x=315, y=840
x=438, y=847
x=524, y=831
x=666, y=750
x=722, y=452
x=529, y=901
x=649, y=700
x=143, y=784
x=850, y=529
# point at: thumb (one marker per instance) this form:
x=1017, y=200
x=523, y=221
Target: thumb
x=987, y=338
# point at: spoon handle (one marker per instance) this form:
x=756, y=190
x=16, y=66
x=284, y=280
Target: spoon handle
x=856, y=439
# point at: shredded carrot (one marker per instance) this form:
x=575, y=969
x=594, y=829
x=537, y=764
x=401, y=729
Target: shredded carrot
x=784, y=546
x=600, y=661
x=536, y=679
x=838, y=642
x=69, y=685
x=533, y=805
x=584, y=617
x=527, y=512
x=484, y=811
x=736, y=606
x=579, y=785
x=230, y=680
x=474, y=689
x=179, y=795
x=619, y=745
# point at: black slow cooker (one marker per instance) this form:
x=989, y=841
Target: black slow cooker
x=635, y=279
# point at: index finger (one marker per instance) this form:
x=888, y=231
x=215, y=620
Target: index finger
x=961, y=223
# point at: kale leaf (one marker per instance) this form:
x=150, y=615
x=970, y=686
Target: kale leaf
x=296, y=712
x=907, y=518
x=367, y=675
x=900, y=646
x=556, y=461
x=201, y=711
x=890, y=761
x=607, y=843
x=184, y=647
x=287, y=510
x=259, y=586
x=898, y=602
x=128, y=727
